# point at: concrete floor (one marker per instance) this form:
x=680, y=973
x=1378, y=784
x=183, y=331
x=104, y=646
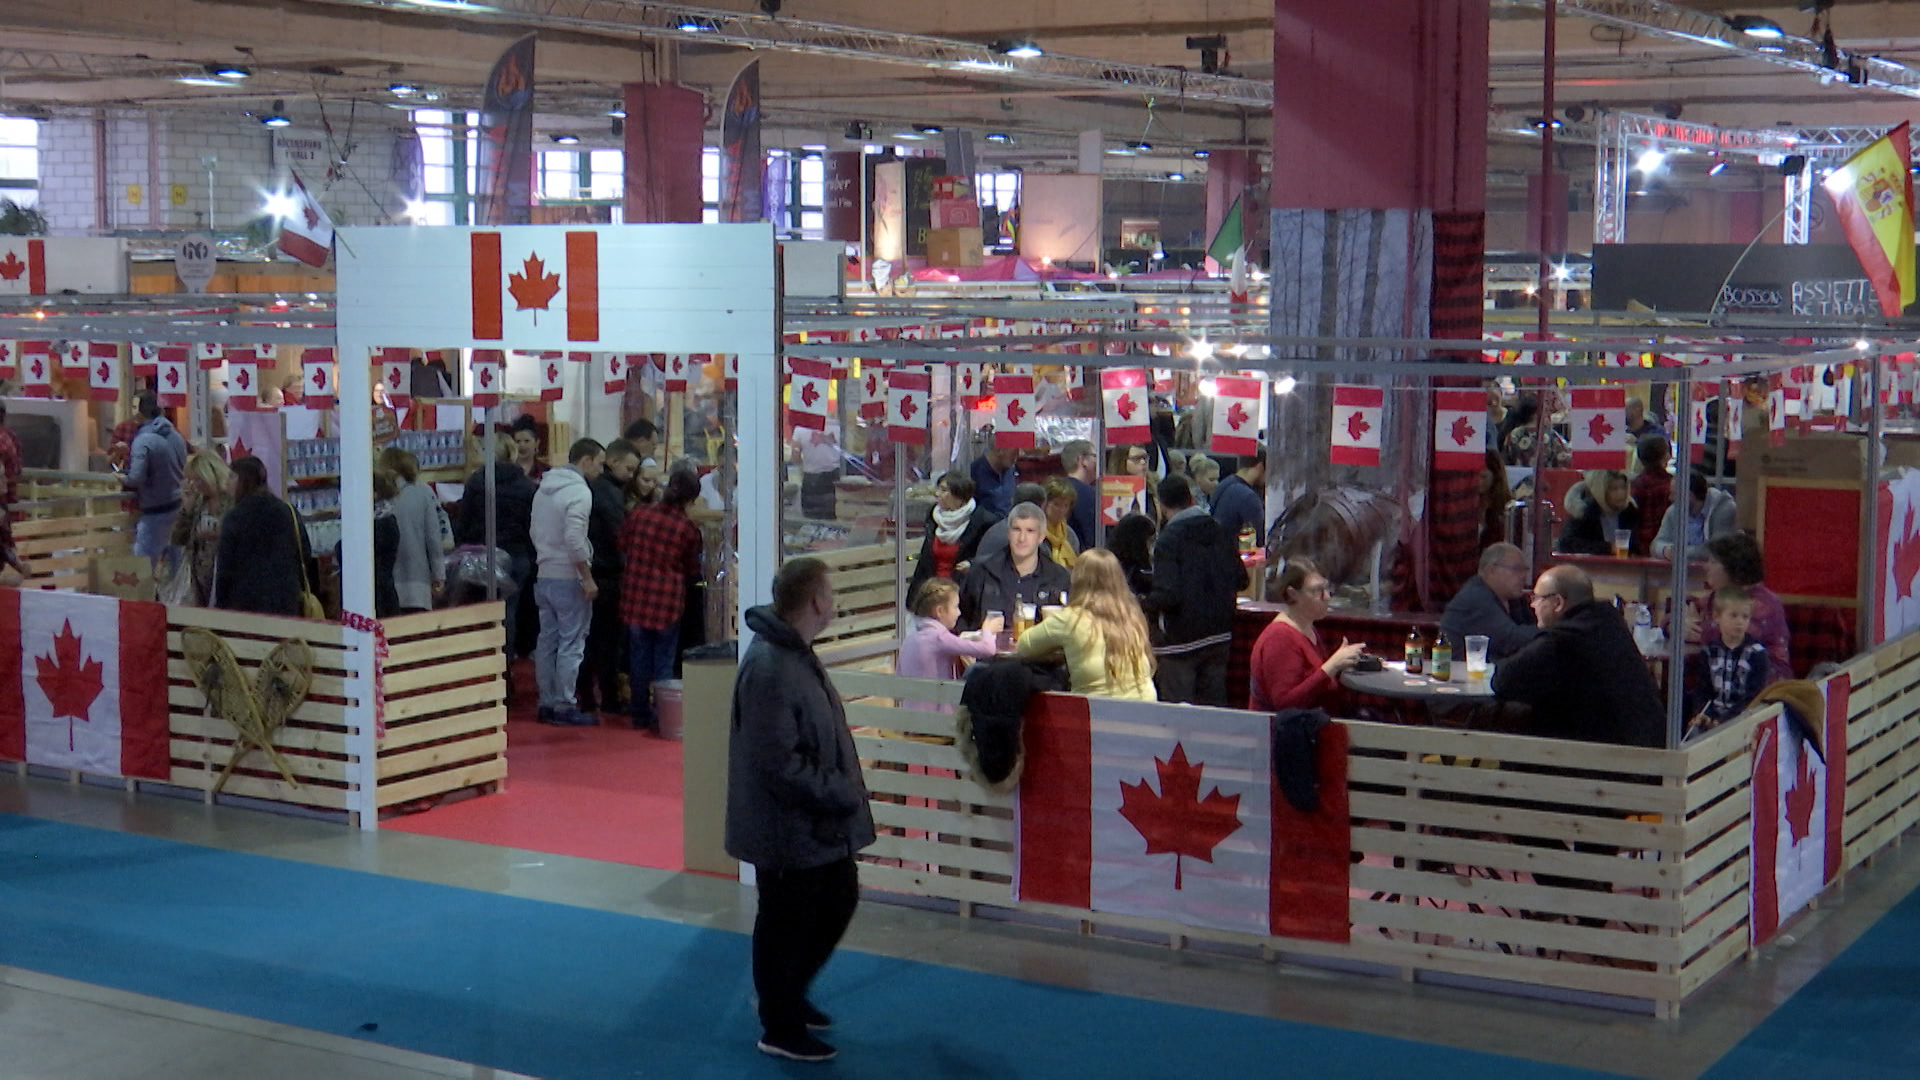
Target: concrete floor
x=143, y=1037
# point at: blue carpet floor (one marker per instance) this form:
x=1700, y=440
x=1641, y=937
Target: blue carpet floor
x=567, y=992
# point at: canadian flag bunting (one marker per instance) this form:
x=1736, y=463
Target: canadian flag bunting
x=616, y=380
x=209, y=357
x=733, y=371
x=307, y=233
x=9, y=359
x=76, y=683
x=552, y=272
x=1013, y=408
x=170, y=382
x=243, y=382
x=1776, y=412
x=36, y=368
x=676, y=372
x=1459, y=430
x=969, y=383
x=873, y=391
x=807, y=382
x=316, y=378
x=1799, y=807
x=1124, y=391
x=552, y=372
x=145, y=361
x=1356, y=425
x=1597, y=417
x=486, y=374
x=907, y=394
x=23, y=266
x=580, y=357
x=74, y=357
x=383, y=356
x=103, y=372
x=1239, y=412
x=1702, y=394
x=1137, y=809
x=397, y=378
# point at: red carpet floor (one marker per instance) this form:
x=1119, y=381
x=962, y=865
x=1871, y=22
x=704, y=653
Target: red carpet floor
x=607, y=793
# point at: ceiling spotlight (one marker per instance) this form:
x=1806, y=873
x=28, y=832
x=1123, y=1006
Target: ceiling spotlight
x=1176, y=176
x=276, y=118
x=927, y=129
x=228, y=71
x=617, y=112
x=1575, y=113
x=279, y=205
x=201, y=80
x=1284, y=384
x=565, y=138
x=401, y=89
x=1754, y=26
x=1542, y=123
x=1142, y=147
x=999, y=137
x=1793, y=165
x=1649, y=161
x=1202, y=155
x=692, y=25
x=1023, y=50
x=771, y=7
x=1718, y=168
x=1120, y=151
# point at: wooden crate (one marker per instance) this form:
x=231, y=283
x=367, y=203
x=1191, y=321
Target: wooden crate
x=864, y=593
x=446, y=713
x=64, y=521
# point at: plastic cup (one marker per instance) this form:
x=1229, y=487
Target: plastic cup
x=1476, y=657
x=1622, y=542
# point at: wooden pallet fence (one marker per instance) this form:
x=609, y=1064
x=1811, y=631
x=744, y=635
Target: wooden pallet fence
x=864, y=588
x=1883, y=747
x=64, y=521
x=446, y=712
x=314, y=739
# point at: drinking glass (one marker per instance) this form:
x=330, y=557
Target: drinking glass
x=1476, y=657
x=1622, y=541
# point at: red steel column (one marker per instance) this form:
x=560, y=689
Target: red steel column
x=664, y=136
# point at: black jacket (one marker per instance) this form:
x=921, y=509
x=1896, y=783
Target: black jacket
x=992, y=585
x=1476, y=610
x=1197, y=575
x=513, y=521
x=1585, y=680
x=977, y=526
x=1585, y=532
x=604, y=520
x=258, y=568
x=795, y=795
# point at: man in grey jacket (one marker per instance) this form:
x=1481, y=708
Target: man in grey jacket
x=1490, y=605
x=796, y=806
x=1711, y=514
x=156, y=462
x=565, y=588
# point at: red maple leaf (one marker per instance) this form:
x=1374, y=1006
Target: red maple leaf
x=1125, y=407
x=106, y=372
x=1801, y=796
x=242, y=378
x=71, y=684
x=1015, y=413
x=966, y=380
x=553, y=373
x=535, y=287
x=1178, y=821
x=1463, y=430
x=1357, y=425
x=809, y=394
x=11, y=267
x=313, y=216
x=907, y=407
x=485, y=377
x=39, y=368
x=677, y=365
x=173, y=378
x=393, y=378
x=1598, y=430
x=238, y=450
x=1906, y=559
x=319, y=378
x=1237, y=415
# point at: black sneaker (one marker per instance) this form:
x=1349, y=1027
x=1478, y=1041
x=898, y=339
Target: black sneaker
x=816, y=1020
x=801, y=1047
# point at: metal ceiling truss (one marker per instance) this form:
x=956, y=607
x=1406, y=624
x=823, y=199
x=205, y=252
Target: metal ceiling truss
x=688, y=24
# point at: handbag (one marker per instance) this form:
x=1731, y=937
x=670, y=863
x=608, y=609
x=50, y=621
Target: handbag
x=310, y=606
x=447, y=542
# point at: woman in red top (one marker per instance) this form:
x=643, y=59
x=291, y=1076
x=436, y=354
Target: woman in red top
x=1288, y=669
x=954, y=528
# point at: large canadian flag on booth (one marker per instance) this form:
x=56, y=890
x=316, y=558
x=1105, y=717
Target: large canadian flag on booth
x=1897, y=558
x=1799, y=805
x=76, y=683
x=552, y=273
x=1138, y=809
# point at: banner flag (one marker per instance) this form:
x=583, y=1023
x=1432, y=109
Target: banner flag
x=1356, y=424
x=1597, y=417
x=555, y=265
x=1459, y=430
x=316, y=378
x=907, y=394
x=307, y=233
x=1239, y=412
x=743, y=167
x=1013, y=407
x=1873, y=194
x=807, y=382
x=1799, y=807
x=506, y=139
x=1124, y=391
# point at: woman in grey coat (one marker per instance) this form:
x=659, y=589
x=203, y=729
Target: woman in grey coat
x=421, y=566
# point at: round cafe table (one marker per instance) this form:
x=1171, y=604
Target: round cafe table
x=1392, y=681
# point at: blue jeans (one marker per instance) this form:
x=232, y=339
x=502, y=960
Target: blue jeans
x=650, y=656
x=153, y=533
x=565, y=614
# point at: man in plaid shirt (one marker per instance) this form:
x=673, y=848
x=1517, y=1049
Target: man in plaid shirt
x=1731, y=667
x=662, y=549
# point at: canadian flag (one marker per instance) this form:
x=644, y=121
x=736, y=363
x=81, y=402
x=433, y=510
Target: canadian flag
x=103, y=371
x=74, y=357
x=969, y=383
x=1702, y=394
x=543, y=268
x=1459, y=430
x=1239, y=412
x=1124, y=393
x=243, y=381
x=316, y=378
x=307, y=233
x=170, y=381
x=1356, y=425
x=397, y=377
x=23, y=266
x=1013, y=406
x=552, y=371
x=1897, y=560
x=9, y=359
x=616, y=380
x=676, y=372
x=485, y=372
x=209, y=356
x=907, y=394
x=807, y=382
x=36, y=368
x=733, y=371
x=1799, y=808
x=873, y=391
x=1776, y=412
x=1137, y=809
x=145, y=361
x=1597, y=417
x=77, y=685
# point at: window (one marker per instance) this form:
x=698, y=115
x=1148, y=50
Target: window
x=20, y=160
x=606, y=174
x=449, y=151
x=997, y=190
x=710, y=184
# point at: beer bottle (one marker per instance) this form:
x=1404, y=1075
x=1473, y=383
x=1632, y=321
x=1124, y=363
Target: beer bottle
x=1416, y=652
x=1442, y=666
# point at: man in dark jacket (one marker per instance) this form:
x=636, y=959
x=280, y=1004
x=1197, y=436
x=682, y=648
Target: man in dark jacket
x=1240, y=501
x=1490, y=605
x=796, y=806
x=1082, y=465
x=1582, y=676
x=1017, y=575
x=1197, y=576
x=606, y=634
x=512, y=533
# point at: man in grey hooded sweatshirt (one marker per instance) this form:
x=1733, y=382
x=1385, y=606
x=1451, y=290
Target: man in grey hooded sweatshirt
x=796, y=806
x=156, y=462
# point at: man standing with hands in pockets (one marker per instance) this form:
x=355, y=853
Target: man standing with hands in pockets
x=796, y=806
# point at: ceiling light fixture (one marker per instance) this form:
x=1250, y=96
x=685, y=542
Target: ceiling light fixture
x=691, y=25
x=999, y=137
x=1649, y=161
x=278, y=117
x=229, y=71
x=201, y=80
x=1202, y=155
x=1284, y=384
x=1023, y=50
x=1542, y=123
x=565, y=138
x=617, y=113
x=927, y=129
x=1176, y=176
x=401, y=89
x=1718, y=168
x=1142, y=147
x=279, y=205
x=1755, y=26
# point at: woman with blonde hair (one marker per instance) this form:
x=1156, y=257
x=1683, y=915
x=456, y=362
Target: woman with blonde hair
x=1598, y=507
x=1062, y=543
x=196, y=531
x=420, y=566
x=1101, y=633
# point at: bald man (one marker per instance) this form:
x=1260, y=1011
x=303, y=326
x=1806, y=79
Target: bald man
x=1490, y=604
x=1582, y=676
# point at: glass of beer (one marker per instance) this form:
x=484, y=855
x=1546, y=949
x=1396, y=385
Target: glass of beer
x=1622, y=542
x=1476, y=659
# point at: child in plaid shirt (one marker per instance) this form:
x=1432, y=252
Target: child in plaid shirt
x=1731, y=667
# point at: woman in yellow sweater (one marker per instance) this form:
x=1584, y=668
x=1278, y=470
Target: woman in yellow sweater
x=1101, y=632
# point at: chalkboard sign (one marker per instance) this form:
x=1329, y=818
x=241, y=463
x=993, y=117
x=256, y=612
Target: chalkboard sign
x=1816, y=280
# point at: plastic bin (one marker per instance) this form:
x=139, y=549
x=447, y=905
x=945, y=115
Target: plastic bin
x=668, y=698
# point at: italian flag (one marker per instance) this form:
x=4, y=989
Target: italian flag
x=1229, y=247
x=78, y=685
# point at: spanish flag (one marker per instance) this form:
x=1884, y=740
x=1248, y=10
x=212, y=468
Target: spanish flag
x=1873, y=192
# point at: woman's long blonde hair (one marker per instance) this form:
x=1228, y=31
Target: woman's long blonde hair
x=206, y=467
x=1099, y=591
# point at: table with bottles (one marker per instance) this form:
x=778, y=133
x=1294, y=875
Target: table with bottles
x=1428, y=671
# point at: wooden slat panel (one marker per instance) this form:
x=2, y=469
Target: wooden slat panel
x=908, y=752
x=932, y=883
x=865, y=554
x=979, y=860
x=251, y=651
x=1638, y=873
x=440, y=620
x=327, y=798
x=401, y=736
x=1735, y=879
x=1522, y=933
x=187, y=699
x=1513, y=822
x=433, y=676
x=1489, y=892
x=910, y=721
x=216, y=754
x=1564, y=753
x=1539, y=787
x=312, y=631
x=483, y=772
x=937, y=788
x=459, y=697
x=854, y=684
x=214, y=729
x=942, y=821
x=870, y=575
x=491, y=743
x=490, y=637
x=1716, y=960
x=328, y=686
x=1732, y=912
x=1705, y=862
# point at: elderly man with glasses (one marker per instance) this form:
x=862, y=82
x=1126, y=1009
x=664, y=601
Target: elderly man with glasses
x=1582, y=676
x=1492, y=605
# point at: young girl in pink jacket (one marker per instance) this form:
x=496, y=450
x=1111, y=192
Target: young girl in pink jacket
x=931, y=649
